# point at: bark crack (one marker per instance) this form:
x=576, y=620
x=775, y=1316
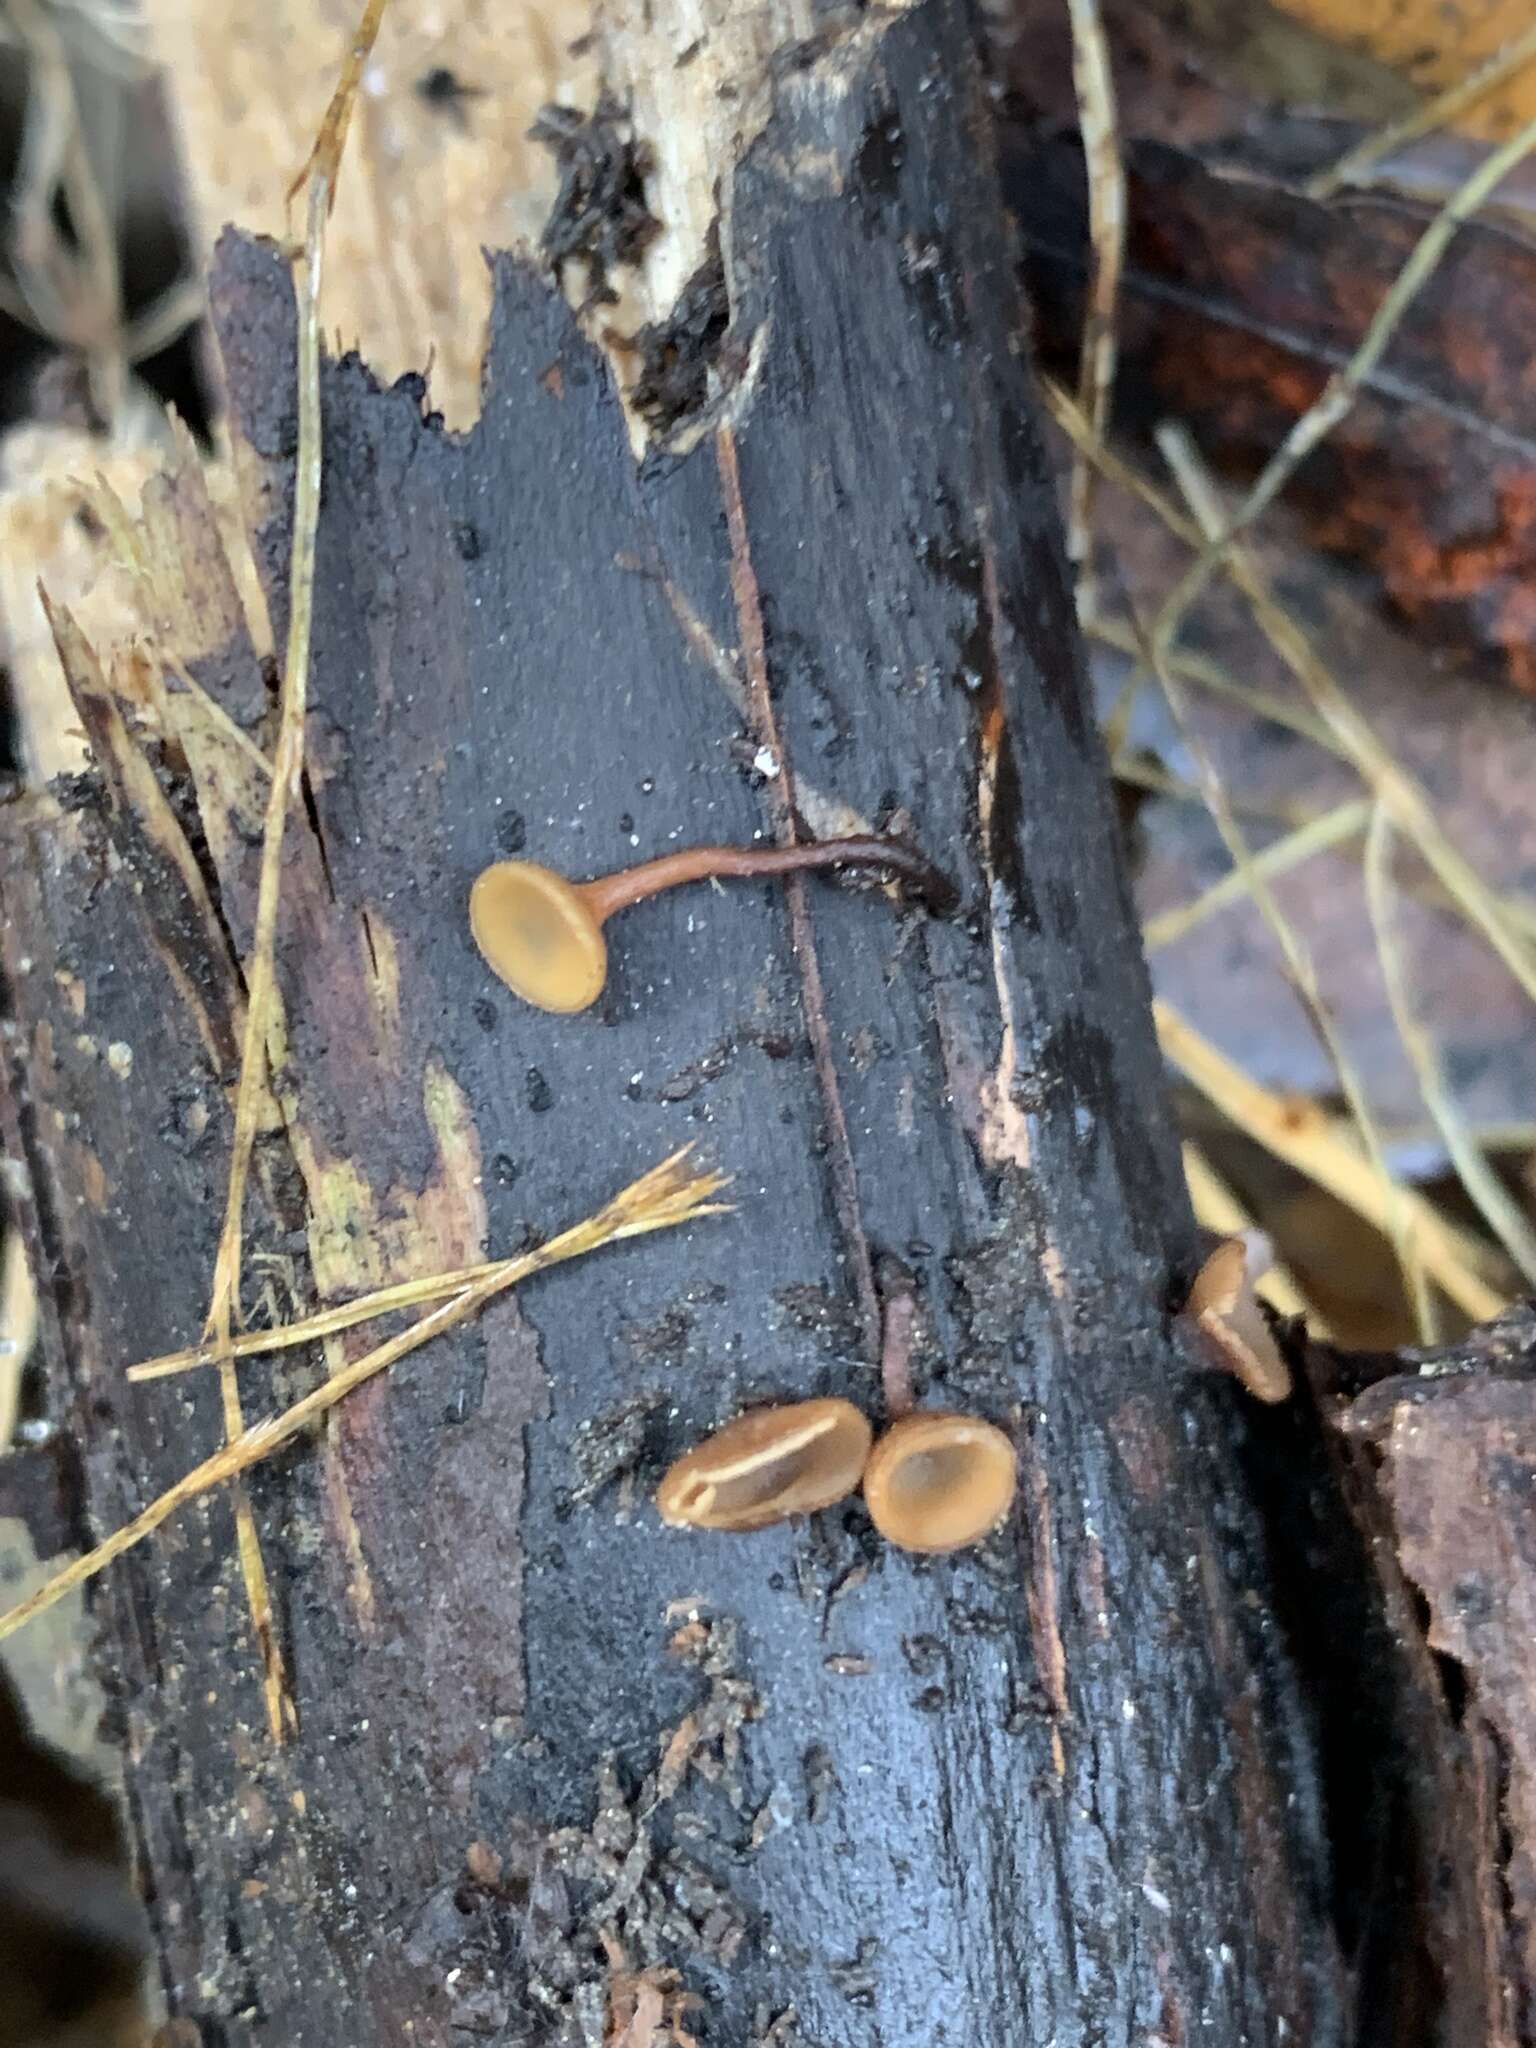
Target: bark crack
x=781, y=802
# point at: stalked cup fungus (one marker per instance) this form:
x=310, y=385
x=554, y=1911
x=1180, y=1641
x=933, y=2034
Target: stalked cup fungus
x=767, y=1465
x=1225, y=1311
x=938, y=1481
x=544, y=935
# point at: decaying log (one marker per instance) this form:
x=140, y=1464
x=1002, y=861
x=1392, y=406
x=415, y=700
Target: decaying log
x=1063, y=1788
x=1442, y=1488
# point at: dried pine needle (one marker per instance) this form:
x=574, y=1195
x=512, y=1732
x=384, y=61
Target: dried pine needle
x=339, y=1316
x=1495, y=1204
x=1355, y=166
x=287, y=784
x=1334, y=828
x=1093, y=79
x=326, y=1322
x=669, y=1195
x=1342, y=389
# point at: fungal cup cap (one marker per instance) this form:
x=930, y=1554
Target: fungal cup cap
x=537, y=933
x=937, y=1481
x=1225, y=1310
x=767, y=1465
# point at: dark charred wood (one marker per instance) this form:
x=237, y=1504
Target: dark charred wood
x=1065, y=1788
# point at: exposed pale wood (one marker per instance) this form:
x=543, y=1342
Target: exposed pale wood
x=432, y=183
x=44, y=478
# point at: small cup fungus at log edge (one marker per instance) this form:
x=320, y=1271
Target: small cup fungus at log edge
x=1230, y=1321
x=767, y=1465
x=937, y=1481
x=543, y=935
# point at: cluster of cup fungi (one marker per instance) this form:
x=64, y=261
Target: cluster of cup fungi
x=933, y=1481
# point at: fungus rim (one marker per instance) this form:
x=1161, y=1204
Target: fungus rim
x=925, y=1431
x=1224, y=1308
x=688, y=1495
x=488, y=909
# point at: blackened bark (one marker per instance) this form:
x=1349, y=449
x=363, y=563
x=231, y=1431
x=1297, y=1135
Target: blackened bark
x=1060, y=1789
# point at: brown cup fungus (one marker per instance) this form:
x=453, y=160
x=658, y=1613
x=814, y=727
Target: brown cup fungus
x=543, y=935
x=767, y=1465
x=1231, y=1324
x=937, y=1481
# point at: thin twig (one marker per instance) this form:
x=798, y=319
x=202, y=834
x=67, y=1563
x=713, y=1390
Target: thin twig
x=660, y=1200
x=1094, y=80
x=320, y=173
x=1495, y=1204
x=1342, y=389
x=1439, y=112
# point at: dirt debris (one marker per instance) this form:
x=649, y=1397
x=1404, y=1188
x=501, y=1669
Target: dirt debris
x=600, y=217
x=607, y=1449
x=641, y=1907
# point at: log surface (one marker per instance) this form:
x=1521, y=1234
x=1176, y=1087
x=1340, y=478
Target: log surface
x=1058, y=1789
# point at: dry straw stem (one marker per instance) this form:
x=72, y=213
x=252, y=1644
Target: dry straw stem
x=1343, y=387
x=319, y=175
x=1301, y=1134
x=1303, y=977
x=1497, y=1207
x=1506, y=923
x=669, y=1195
x=1337, y=827
x=1405, y=802
x=1217, y=1209
x=1354, y=167
x=1095, y=84
x=1149, y=775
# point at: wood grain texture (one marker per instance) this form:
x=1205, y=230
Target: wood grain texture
x=1058, y=1789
